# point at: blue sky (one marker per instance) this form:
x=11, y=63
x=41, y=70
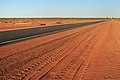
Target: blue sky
x=59, y=8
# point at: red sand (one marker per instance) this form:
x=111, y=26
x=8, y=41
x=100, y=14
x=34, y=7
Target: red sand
x=15, y=25
x=86, y=53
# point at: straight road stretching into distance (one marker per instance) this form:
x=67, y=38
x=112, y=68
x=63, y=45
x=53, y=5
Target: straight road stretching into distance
x=91, y=52
x=12, y=36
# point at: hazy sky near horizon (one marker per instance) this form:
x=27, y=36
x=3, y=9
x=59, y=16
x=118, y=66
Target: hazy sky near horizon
x=59, y=8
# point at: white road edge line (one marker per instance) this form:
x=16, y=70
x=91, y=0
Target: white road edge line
x=30, y=37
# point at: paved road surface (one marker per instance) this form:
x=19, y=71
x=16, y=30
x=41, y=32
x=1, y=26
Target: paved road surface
x=7, y=37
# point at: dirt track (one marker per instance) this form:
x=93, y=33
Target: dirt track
x=86, y=53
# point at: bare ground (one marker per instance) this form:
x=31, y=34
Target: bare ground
x=24, y=23
x=86, y=53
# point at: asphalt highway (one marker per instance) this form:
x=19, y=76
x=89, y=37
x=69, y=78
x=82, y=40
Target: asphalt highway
x=7, y=37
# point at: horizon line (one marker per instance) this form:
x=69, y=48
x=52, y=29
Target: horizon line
x=61, y=17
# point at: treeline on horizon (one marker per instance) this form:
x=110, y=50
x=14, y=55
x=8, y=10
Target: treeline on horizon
x=26, y=20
